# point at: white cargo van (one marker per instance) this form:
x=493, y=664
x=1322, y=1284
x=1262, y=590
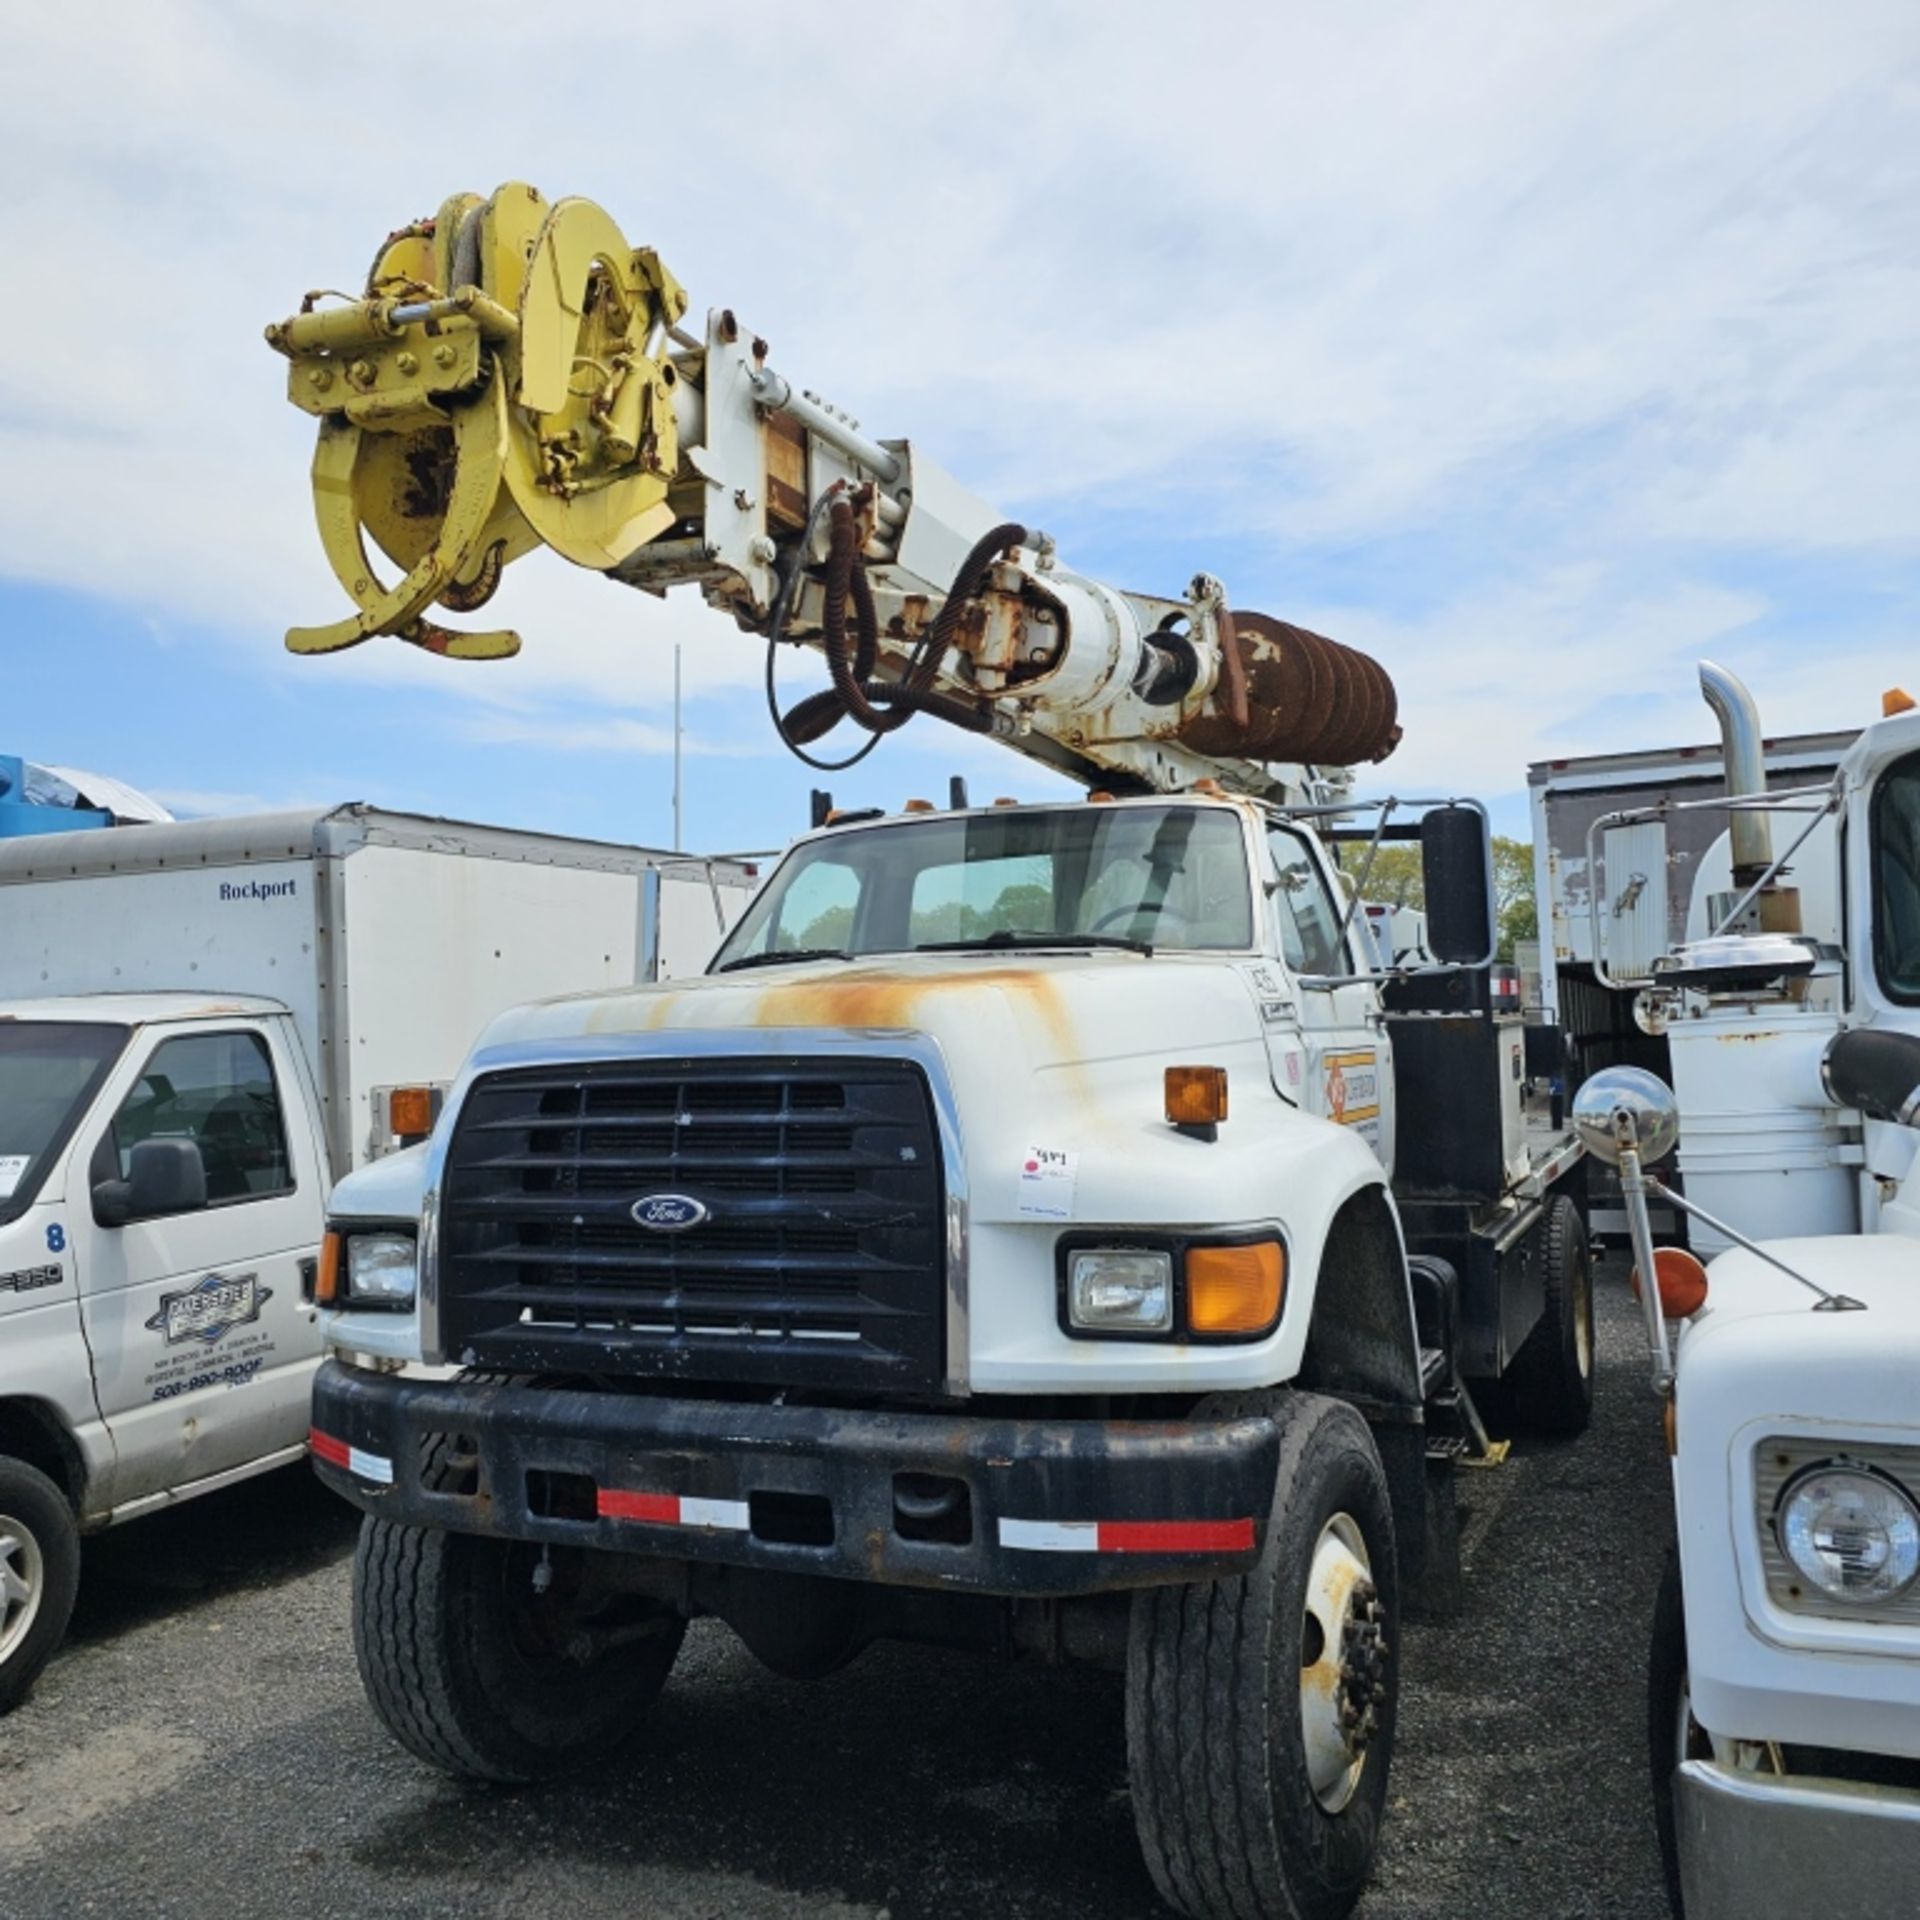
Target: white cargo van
x=202, y=1027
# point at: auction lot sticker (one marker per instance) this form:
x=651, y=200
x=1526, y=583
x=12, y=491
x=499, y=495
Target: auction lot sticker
x=1047, y=1177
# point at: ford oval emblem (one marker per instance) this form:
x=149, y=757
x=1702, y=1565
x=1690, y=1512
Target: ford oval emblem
x=668, y=1212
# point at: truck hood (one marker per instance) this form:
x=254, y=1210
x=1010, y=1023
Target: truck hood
x=1056, y=1055
x=1053, y=1010
x=1881, y=1270
x=1763, y=1346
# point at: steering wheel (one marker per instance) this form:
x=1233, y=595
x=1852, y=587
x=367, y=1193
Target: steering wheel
x=1160, y=916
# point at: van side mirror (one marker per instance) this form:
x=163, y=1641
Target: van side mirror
x=163, y=1176
x=1456, y=862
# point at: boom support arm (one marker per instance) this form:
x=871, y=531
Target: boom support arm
x=516, y=375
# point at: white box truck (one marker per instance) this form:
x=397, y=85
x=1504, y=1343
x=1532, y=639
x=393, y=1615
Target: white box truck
x=203, y=1026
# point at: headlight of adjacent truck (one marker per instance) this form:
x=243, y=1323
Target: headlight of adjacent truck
x=367, y=1269
x=1850, y=1532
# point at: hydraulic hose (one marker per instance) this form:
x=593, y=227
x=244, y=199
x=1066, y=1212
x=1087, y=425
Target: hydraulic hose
x=878, y=706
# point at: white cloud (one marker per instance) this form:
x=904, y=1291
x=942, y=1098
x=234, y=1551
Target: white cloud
x=1638, y=276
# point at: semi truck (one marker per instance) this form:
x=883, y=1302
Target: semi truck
x=1055, y=1229
x=1784, y=1673
x=203, y=1026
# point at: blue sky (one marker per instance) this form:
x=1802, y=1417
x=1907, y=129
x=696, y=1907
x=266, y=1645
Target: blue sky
x=1538, y=351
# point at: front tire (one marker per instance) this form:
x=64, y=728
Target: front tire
x=1673, y=1735
x=479, y=1671
x=39, y=1576
x=1260, y=1709
x=1551, y=1381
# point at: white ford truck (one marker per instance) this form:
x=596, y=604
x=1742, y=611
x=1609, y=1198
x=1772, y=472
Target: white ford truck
x=1041, y=1228
x=1784, y=1696
x=246, y=1010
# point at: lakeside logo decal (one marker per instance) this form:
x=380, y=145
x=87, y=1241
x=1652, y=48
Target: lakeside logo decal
x=257, y=890
x=210, y=1308
x=668, y=1212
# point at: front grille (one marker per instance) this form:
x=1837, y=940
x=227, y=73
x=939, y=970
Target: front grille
x=821, y=1262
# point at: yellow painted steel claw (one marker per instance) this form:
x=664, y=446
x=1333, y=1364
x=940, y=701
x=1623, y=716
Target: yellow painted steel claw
x=504, y=384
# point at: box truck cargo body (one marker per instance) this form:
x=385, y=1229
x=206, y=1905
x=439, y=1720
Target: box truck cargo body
x=203, y=1027
x=391, y=939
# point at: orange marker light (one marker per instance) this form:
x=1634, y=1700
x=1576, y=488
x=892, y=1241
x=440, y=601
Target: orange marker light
x=921, y=806
x=410, y=1110
x=1235, y=1289
x=326, y=1284
x=1896, y=700
x=1196, y=1096
x=1682, y=1281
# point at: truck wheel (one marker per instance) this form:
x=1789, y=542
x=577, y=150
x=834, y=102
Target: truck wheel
x=39, y=1575
x=1260, y=1709
x=1672, y=1733
x=1551, y=1380
x=480, y=1669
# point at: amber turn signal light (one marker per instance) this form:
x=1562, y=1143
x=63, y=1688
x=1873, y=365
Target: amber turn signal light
x=1196, y=1096
x=326, y=1282
x=410, y=1111
x=1682, y=1281
x=1235, y=1289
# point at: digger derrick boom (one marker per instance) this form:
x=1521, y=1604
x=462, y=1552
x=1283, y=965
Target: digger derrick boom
x=515, y=375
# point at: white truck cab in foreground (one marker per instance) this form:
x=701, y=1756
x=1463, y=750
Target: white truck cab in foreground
x=1028, y=1234
x=307, y=984
x=1784, y=1697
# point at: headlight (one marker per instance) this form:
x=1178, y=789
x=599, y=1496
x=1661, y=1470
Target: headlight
x=380, y=1269
x=1852, y=1533
x=1120, y=1290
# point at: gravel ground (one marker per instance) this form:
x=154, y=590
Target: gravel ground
x=202, y=1746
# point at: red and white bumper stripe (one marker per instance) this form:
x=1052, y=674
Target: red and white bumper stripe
x=1128, y=1536
x=336, y=1453
x=672, y=1510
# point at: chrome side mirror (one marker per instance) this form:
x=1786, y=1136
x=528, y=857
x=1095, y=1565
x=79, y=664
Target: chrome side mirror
x=1628, y=1118
x=1626, y=1107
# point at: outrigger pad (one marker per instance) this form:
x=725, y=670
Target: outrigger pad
x=502, y=385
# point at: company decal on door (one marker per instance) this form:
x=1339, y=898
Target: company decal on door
x=1353, y=1092
x=213, y=1312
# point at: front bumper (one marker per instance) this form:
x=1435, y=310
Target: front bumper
x=1051, y=1507
x=1753, y=1847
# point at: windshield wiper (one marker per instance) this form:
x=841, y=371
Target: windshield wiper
x=1011, y=937
x=781, y=958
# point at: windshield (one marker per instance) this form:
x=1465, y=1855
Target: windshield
x=48, y=1072
x=1896, y=880
x=1160, y=877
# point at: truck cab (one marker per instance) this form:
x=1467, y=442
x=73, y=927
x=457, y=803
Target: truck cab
x=161, y=1194
x=1784, y=1692
x=999, y=1243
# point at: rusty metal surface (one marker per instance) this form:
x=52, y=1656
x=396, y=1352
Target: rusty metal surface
x=1311, y=699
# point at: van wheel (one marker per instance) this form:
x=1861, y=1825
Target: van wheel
x=39, y=1575
x=1551, y=1381
x=1260, y=1709
x=494, y=1661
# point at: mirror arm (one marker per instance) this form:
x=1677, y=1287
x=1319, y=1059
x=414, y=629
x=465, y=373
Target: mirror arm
x=1633, y=1189
x=113, y=1203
